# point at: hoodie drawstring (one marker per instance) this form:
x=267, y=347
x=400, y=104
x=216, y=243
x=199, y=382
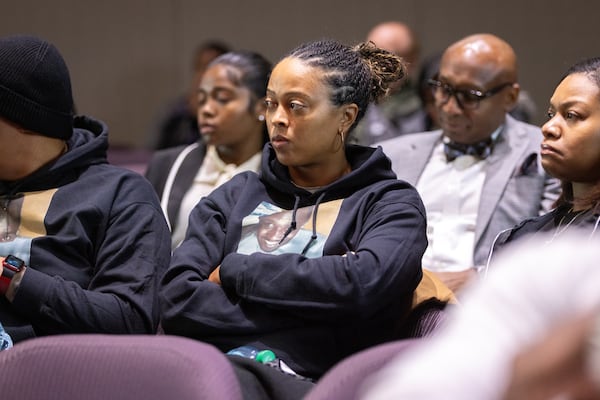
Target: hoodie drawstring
x=313, y=238
x=293, y=223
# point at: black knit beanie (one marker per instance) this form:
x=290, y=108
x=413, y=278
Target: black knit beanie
x=35, y=87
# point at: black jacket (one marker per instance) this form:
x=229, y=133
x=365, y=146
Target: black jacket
x=342, y=282
x=94, y=239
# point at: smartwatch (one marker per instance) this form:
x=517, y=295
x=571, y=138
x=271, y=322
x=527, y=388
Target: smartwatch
x=10, y=266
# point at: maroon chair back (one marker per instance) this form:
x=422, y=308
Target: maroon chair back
x=424, y=320
x=116, y=367
x=343, y=381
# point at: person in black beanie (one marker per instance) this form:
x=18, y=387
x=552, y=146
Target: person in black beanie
x=82, y=243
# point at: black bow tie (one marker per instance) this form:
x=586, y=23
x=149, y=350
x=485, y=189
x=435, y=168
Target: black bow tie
x=480, y=150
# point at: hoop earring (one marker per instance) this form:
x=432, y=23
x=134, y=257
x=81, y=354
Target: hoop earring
x=341, y=133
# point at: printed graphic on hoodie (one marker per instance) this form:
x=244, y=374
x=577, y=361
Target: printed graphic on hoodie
x=21, y=220
x=270, y=229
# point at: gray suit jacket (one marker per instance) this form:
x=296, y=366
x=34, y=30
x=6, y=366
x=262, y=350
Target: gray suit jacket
x=515, y=187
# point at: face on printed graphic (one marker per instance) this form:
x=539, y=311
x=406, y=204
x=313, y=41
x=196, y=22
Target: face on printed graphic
x=272, y=231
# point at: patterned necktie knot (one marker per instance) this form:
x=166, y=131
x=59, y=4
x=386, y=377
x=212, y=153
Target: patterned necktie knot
x=480, y=150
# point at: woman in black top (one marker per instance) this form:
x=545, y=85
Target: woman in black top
x=570, y=151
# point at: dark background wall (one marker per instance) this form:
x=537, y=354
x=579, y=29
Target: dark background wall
x=127, y=57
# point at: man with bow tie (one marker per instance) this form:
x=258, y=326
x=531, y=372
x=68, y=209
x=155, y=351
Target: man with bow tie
x=480, y=173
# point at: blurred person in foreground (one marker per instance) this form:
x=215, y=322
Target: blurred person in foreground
x=530, y=331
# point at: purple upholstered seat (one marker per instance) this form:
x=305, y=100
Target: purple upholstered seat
x=343, y=381
x=116, y=367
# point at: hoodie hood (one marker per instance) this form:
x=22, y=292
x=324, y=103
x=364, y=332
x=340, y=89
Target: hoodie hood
x=369, y=165
x=87, y=146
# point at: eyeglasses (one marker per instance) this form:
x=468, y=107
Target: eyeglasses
x=466, y=99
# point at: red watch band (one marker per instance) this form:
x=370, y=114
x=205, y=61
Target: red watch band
x=11, y=265
x=4, y=283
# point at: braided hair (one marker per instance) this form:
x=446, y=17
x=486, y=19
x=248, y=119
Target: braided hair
x=360, y=74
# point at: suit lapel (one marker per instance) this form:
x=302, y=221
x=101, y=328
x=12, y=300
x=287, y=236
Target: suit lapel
x=411, y=160
x=502, y=163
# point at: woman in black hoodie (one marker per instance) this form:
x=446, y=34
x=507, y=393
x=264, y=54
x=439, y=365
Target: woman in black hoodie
x=346, y=278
